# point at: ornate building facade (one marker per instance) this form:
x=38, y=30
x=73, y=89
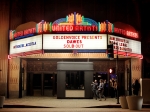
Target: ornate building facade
x=14, y=13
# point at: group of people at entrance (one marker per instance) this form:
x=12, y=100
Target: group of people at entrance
x=98, y=89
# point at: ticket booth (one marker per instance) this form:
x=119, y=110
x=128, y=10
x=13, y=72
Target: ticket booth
x=74, y=79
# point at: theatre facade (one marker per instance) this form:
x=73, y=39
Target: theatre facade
x=62, y=58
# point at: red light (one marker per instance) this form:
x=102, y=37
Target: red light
x=126, y=33
x=110, y=70
x=9, y=57
x=141, y=57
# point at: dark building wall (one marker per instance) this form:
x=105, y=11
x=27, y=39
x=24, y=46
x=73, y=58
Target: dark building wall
x=145, y=32
x=23, y=11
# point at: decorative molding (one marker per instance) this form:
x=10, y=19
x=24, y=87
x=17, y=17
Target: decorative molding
x=69, y=55
x=13, y=80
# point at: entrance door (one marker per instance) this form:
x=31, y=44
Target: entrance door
x=37, y=84
x=29, y=84
x=100, y=75
x=41, y=84
x=121, y=84
x=48, y=84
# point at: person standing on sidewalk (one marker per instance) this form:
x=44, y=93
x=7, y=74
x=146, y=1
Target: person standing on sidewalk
x=101, y=89
x=94, y=89
x=115, y=88
x=105, y=88
x=136, y=87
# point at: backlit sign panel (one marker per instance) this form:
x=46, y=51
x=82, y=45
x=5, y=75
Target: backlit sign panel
x=74, y=41
x=125, y=45
x=27, y=44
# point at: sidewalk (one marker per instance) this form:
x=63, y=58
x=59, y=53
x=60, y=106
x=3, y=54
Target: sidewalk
x=53, y=102
x=59, y=103
x=70, y=110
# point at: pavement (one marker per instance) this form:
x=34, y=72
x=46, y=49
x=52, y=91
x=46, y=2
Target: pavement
x=70, y=110
x=52, y=104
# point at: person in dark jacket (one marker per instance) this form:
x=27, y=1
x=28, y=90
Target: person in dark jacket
x=105, y=88
x=112, y=92
x=136, y=87
x=94, y=89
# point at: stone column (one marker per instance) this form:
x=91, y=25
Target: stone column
x=4, y=26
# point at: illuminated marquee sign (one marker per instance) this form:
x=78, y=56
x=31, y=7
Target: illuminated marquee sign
x=15, y=35
x=73, y=22
x=125, y=45
x=126, y=33
x=74, y=41
x=70, y=28
x=26, y=45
